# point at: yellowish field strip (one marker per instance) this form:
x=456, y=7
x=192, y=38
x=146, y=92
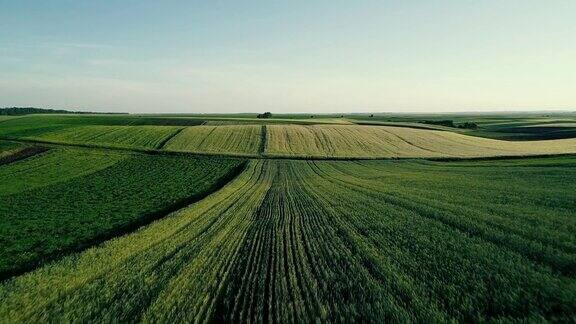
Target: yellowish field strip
x=396, y=142
x=225, y=139
x=306, y=141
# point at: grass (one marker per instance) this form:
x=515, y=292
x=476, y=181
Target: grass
x=321, y=141
x=54, y=167
x=28, y=126
x=67, y=200
x=356, y=241
x=225, y=139
x=36, y=125
x=5, y=118
x=8, y=148
x=142, y=137
x=527, y=131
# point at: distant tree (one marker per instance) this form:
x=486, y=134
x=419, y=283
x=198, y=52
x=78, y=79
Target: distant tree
x=311, y=116
x=265, y=115
x=372, y=115
x=16, y=111
x=32, y=110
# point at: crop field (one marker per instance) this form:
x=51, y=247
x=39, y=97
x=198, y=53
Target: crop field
x=392, y=142
x=225, y=139
x=302, y=240
x=152, y=137
x=67, y=199
x=53, y=167
x=22, y=127
x=37, y=125
x=517, y=127
x=376, y=139
x=122, y=218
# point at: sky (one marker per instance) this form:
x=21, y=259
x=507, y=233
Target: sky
x=217, y=56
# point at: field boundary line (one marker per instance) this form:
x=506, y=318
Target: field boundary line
x=167, y=139
x=263, y=140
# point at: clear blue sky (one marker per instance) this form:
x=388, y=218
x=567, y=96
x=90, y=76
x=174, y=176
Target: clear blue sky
x=288, y=56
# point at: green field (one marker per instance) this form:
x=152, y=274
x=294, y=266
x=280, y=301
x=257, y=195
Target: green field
x=5, y=118
x=152, y=137
x=68, y=199
x=207, y=218
x=293, y=241
x=223, y=139
x=52, y=167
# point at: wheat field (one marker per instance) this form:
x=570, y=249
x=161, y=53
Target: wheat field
x=324, y=141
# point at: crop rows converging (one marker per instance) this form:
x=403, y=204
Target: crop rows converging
x=67, y=199
x=296, y=241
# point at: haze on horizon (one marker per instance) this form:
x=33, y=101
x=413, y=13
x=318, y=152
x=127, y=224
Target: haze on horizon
x=288, y=56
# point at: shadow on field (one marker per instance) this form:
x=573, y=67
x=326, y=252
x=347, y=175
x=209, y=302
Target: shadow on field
x=23, y=154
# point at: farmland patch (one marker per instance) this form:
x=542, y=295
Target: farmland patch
x=322, y=141
x=226, y=139
x=365, y=241
x=50, y=216
x=142, y=137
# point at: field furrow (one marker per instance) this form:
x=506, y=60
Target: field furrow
x=406, y=244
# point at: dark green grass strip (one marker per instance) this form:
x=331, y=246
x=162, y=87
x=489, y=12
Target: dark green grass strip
x=414, y=126
x=523, y=133
x=23, y=154
x=77, y=214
